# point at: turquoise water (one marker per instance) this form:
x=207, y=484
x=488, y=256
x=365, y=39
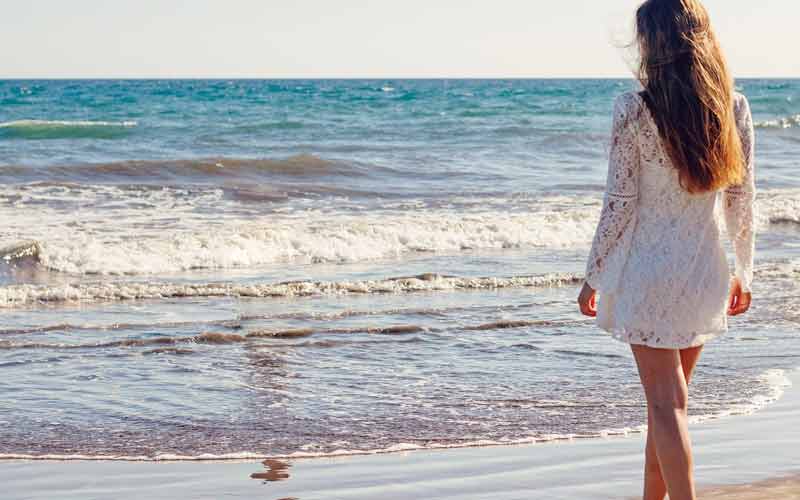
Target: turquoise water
x=496, y=129
x=269, y=268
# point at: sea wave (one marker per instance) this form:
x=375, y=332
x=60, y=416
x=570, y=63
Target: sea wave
x=776, y=382
x=779, y=123
x=20, y=295
x=396, y=448
x=405, y=333
x=779, y=207
x=65, y=129
x=311, y=238
x=257, y=127
x=311, y=316
x=779, y=270
x=148, y=232
x=222, y=168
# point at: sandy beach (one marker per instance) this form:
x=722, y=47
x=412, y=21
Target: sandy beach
x=743, y=457
x=784, y=488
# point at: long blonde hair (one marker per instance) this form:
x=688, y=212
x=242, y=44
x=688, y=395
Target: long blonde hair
x=690, y=93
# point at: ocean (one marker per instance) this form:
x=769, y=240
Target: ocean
x=210, y=269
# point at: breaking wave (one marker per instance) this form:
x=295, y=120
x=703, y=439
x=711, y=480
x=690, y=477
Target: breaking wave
x=221, y=168
x=780, y=123
x=167, y=231
x=65, y=129
x=302, y=239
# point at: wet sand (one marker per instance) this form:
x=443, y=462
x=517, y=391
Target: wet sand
x=745, y=457
x=787, y=488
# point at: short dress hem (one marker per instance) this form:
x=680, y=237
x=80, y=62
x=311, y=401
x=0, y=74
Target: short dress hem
x=697, y=341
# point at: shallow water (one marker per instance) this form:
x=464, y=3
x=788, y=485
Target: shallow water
x=273, y=268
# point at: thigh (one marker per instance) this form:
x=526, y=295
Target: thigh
x=661, y=373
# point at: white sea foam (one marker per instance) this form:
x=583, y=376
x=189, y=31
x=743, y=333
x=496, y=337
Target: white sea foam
x=19, y=295
x=152, y=231
x=778, y=206
x=168, y=230
x=164, y=457
x=65, y=124
x=776, y=380
x=65, y=129
x=785, y=122
x=395, y=448
x=339, y=239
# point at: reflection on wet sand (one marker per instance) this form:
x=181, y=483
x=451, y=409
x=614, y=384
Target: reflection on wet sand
x=276, y=471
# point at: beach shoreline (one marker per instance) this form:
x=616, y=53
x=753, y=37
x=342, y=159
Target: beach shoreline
x=749, y=456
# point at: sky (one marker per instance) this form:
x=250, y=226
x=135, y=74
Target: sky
x=363, y=38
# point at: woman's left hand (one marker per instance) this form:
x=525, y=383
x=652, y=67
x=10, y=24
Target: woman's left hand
x=738, y=299
x=587, y=301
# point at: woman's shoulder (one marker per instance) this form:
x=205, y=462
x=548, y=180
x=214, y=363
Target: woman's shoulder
x=741, y=106
x=628, y=106
x=628, y=100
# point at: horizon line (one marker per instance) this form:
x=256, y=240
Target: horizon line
x=290, y=78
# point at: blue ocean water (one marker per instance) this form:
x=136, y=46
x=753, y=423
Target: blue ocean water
x=268, y=268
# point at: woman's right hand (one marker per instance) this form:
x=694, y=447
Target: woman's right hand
x=587, y=301
x=738, y=299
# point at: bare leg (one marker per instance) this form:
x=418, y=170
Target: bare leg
x=664, y=383
x=654, y=486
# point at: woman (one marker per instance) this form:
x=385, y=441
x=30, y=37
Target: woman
x=657, y=260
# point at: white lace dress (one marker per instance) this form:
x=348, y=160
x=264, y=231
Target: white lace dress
x=658, y=260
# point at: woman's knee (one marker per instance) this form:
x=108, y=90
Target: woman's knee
x=663, y=380
x=668, y=398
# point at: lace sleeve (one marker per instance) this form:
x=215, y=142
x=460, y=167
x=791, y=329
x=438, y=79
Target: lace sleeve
x=618, y=217
x=739, y=201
